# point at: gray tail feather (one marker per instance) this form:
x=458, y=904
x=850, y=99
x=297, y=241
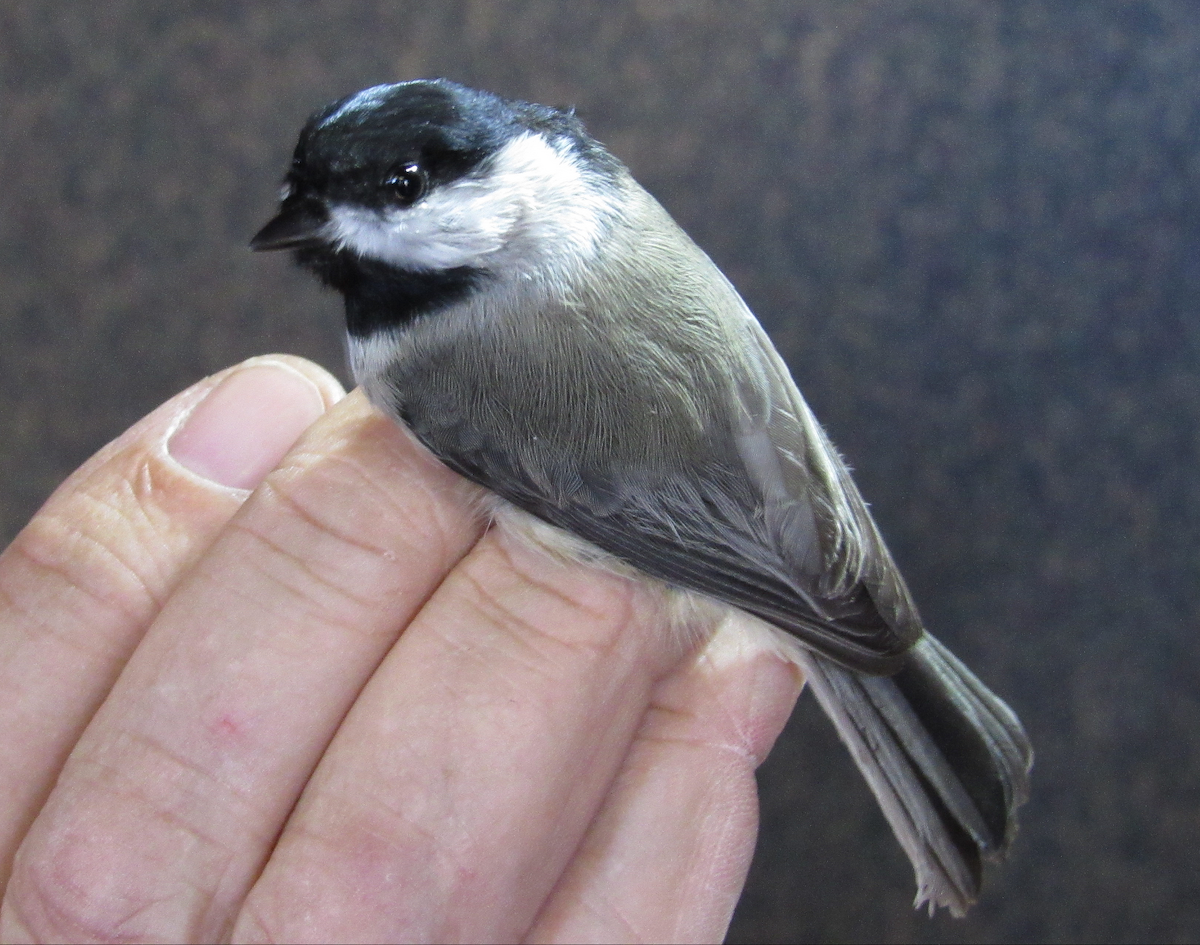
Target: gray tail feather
x=946, y=759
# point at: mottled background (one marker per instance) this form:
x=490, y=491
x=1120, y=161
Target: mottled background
x=972, y=227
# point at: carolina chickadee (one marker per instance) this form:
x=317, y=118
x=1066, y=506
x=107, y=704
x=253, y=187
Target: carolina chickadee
x=540, y=323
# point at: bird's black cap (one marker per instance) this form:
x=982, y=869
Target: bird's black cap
x=348, y=150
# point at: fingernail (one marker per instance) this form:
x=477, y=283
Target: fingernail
x=772, y=693
x=246, y=424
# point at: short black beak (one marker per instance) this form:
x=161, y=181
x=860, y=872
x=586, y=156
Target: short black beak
x=299, y=223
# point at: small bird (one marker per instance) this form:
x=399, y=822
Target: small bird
x=540, y=323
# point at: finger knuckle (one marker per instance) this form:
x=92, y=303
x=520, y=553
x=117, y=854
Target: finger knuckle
x=376, y=505
x=308, y=557
x=87, y=557
x=546, y=623
x=64, y=894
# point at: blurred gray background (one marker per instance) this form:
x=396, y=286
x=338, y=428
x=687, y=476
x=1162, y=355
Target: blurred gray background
x=972, y=228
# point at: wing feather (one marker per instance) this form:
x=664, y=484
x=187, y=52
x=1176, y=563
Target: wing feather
x=672, y=437
x=759, y=533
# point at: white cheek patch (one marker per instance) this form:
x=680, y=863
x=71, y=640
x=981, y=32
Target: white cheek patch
x=435, y=233
x=533, y=200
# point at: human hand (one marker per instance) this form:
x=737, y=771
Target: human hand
x=334, y=708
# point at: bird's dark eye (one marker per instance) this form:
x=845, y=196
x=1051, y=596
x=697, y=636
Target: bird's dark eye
x=406, y=186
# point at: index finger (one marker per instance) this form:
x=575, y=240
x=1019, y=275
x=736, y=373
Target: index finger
x=82, y=582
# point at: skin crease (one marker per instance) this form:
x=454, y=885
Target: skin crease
x=327, y=705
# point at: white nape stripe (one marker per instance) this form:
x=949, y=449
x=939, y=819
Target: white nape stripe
x=533, y=204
